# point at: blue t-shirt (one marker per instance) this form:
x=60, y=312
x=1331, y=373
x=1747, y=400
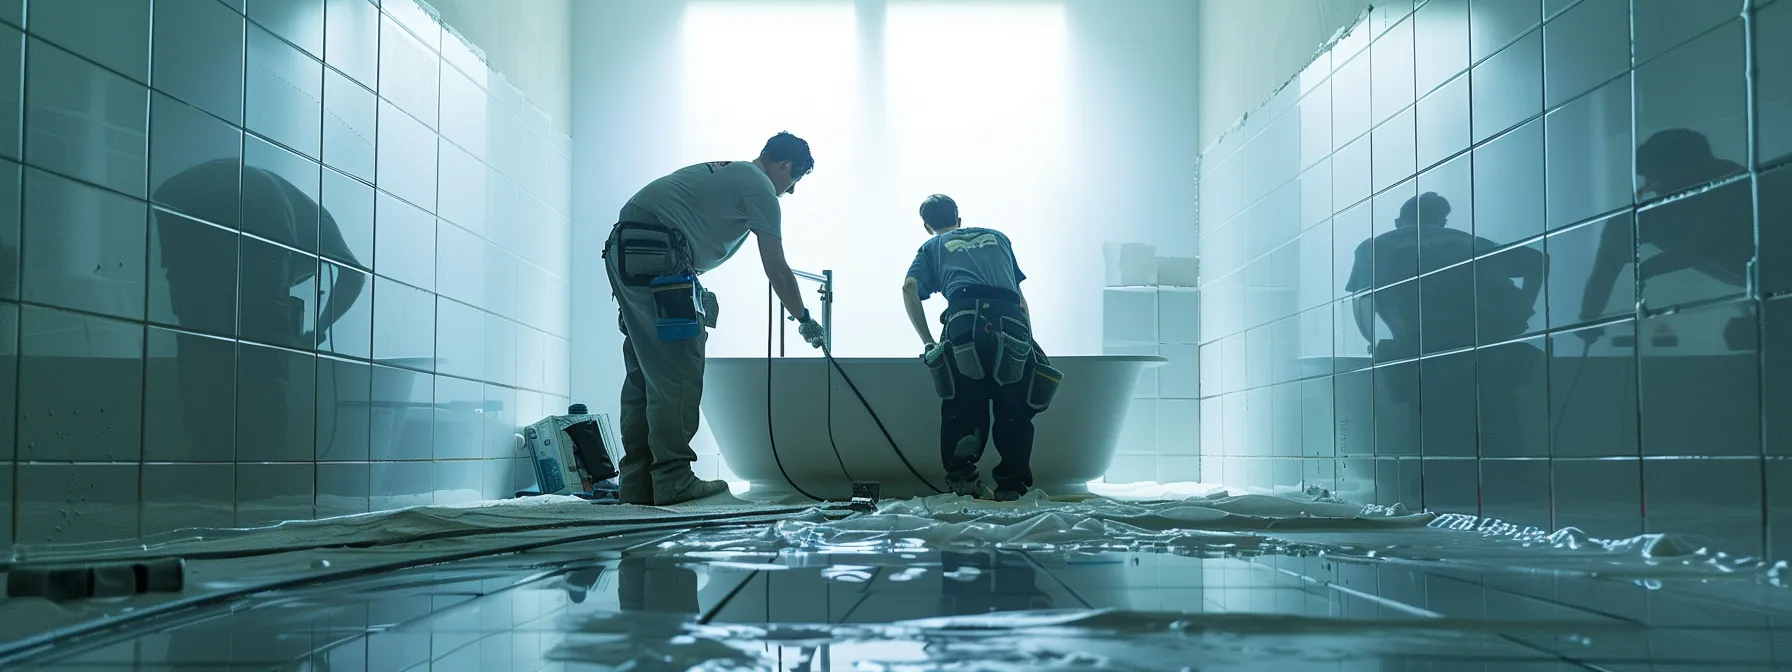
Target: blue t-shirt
x=964, y=257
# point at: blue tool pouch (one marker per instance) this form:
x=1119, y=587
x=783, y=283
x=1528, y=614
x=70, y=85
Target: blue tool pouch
x=677, y=306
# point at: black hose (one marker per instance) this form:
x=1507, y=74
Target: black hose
x=838, y=459
x=772, y=432
x=1573, y=384
x=17, y=650
x=771, y=428
x=147, y=554
x=874, y=418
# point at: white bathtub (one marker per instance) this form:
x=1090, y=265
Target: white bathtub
x=1074, y=443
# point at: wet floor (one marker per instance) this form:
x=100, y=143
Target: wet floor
x=787, y=597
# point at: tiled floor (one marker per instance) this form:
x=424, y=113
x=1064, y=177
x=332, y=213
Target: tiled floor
x=632, y=605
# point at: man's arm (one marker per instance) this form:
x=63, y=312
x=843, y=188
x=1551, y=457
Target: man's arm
x=1530, y=278
x=917, y=315
x=777, y=270
x=1608, y=262
x=347, y=286
x=344, y=290
x=1363, y=306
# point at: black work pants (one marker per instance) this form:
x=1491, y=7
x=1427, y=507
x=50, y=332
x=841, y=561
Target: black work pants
x=981, y=409
x=968, y=417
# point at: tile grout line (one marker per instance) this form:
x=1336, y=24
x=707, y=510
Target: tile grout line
x=1753, y=274
x=1638, y=311
x=236, y=433
x=149, y=69
x=16, y=497
x=1060, y=580
x=1548, y=343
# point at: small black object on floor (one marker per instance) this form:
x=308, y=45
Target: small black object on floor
x=77, y=582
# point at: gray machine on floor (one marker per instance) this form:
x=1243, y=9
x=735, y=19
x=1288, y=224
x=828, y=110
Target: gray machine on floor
x=571, y=455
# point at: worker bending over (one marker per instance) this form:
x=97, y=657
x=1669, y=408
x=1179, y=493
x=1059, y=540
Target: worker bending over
x=674, y=230
x=985, y=357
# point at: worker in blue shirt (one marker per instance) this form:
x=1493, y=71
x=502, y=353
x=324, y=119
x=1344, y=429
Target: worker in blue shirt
x=986, y=358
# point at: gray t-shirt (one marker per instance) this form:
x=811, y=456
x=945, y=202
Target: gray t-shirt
x=964, y=257
x=714, y=205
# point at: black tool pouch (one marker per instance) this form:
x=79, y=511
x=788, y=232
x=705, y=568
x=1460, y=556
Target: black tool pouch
x=1044, y=385
x=940, y=369
x=1014, y=348
x=646, y=251
x=961, y=340
x=588, y=444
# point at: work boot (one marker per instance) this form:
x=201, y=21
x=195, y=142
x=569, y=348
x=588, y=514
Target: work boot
x=968, y=488
x=696, y=489
x=635, y=496
x=1009, y=495
x=633, y=492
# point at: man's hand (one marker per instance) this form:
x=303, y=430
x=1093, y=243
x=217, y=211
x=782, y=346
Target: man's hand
x=811, y=331
x=1591, y=335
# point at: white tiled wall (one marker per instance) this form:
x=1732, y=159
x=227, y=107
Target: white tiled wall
x=1528, y=117
x=1161, y=440
x=159, y=307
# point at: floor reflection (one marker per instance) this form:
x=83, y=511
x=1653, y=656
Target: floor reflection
x=657, y=584
x=1316, y=604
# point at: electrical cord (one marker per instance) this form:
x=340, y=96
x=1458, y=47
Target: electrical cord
x=880, y=423
x=21, y=649
x=1573, y=384
x=772, y=432
x=771, y=428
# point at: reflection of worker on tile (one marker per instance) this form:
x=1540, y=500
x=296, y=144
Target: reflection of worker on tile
x=264, y=305
x=657, y=584
x=9, y=266
x=1719, y=244
x=1503, y=310
x=579, y=583
x=986, y=582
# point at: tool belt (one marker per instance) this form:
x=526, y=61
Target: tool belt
x=643, y=252
x=989, y=336
x=657, y=256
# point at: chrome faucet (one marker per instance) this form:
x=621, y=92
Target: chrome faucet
x=826, y=279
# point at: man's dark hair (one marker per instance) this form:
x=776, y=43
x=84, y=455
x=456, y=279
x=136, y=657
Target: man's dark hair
x=1427, y=209
x=939, y=212
x=787, y=147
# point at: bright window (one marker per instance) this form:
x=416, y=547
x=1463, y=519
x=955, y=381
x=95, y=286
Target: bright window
x=966, y=99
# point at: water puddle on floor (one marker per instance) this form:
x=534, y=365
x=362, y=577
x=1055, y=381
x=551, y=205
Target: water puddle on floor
x=1210, y=583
